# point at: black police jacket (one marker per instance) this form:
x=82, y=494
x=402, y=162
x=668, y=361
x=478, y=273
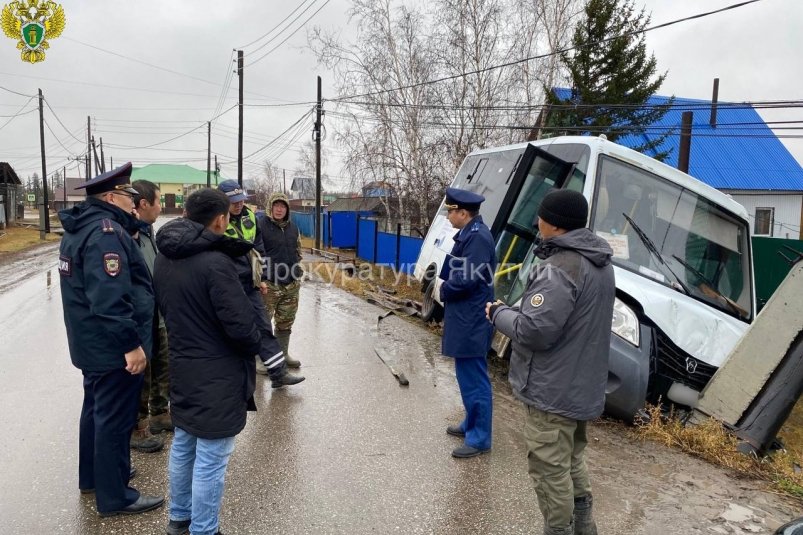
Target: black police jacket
x=106, y=289
x=212, y=335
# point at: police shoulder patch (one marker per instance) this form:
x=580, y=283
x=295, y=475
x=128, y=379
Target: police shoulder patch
x=65, y=265
x=111, y=264
x=537, y=300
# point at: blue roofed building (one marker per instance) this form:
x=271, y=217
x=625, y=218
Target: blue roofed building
x=738, y=154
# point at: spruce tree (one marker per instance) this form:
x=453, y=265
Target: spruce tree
x=611, y=77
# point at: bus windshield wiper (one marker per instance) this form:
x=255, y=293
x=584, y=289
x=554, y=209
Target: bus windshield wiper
x=648, y=243
x=711, y=286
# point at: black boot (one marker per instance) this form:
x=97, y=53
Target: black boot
x=583, y=520
x=285, y=379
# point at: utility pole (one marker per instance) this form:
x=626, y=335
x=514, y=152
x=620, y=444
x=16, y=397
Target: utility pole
x=317, y=136
x=111, y=162
x=44, y=167
x=208, y=154
x=64, y=184
x=240, y=62
x=284, y=181
x=217, y=170
x=88, y=148
x=102, y=158
x=97, y=160
x=685, y=141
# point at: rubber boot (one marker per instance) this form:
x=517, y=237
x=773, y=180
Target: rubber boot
x=559, y=531
x=283, y=337
x=162, y=422
x=583, y=520
x=143, y=440
x=285, y=379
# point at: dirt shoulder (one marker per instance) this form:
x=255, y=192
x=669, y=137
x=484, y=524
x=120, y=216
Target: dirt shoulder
x=699, y=489
x=16, y=239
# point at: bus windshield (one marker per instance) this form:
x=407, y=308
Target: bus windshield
x=669, y=234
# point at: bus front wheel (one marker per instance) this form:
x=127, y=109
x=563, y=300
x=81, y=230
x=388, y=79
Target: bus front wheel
x=431, y=310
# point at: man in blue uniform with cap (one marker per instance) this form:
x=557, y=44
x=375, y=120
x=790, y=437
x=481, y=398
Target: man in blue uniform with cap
x=468, y=275
x=107, y=297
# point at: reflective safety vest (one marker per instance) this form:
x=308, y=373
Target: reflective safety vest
x=248, y=230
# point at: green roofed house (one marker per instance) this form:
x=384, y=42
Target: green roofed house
x=175, y=182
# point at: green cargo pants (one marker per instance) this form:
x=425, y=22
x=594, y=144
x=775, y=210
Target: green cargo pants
x=155, y=394
x=556, y=457
x=281, y=303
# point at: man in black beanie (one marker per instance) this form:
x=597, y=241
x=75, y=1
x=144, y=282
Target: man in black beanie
x=561, y=336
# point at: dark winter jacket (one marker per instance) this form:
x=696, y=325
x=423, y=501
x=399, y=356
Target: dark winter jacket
x=211, y=331
x=468, y=284
x=106, y=289
x=282, y=245
x=561, y=332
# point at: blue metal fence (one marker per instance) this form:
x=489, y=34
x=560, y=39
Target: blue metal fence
x=351, y=230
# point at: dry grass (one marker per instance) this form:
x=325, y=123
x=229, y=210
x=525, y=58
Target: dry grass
x=368, y=276
x=15, y=239
x=711, y=442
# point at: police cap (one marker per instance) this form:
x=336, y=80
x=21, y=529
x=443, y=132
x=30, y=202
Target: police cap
x=460, y=198
x=233, y=190
x=118, y=179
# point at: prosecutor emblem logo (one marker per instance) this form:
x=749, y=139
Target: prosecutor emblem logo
x=32, y=23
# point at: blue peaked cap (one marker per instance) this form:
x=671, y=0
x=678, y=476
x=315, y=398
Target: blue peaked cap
x=233, y=190
x=460, y=198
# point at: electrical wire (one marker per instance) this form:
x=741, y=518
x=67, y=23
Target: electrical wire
x=266, y=54
x=546, y=55
x=19, y=112
x=272, y=29
x=16, y=92
x=59, y=120
x=280, y=135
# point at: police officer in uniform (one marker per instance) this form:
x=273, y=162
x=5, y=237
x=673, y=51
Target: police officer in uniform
x=108, y=305
x=243, y=225
x=468, y=275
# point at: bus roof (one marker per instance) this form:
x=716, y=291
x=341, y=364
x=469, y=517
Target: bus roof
x=598, y=145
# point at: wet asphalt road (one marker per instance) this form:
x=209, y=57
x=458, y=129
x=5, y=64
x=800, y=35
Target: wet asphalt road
x=348, y=451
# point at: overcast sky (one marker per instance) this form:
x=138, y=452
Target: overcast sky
x=754, y=50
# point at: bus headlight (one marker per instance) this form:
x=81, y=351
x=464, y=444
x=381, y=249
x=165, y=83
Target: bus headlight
x=625, y=323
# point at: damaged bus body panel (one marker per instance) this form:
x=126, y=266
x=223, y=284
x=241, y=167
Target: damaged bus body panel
x=682, y=257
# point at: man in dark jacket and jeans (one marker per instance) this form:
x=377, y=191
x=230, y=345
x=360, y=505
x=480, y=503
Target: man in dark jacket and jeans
x=561, y=337
x=212, y=341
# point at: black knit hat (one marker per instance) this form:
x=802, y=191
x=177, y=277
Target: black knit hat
x=566, y=209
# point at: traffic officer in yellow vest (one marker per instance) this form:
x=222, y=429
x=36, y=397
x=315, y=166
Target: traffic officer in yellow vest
x=250, y=269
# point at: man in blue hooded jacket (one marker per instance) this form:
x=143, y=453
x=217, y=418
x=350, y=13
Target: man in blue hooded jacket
x=107, y=297
x=468, y=275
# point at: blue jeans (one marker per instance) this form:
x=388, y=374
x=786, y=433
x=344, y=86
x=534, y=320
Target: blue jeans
x=197, y=477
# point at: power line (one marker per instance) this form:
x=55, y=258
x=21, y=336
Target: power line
x=16, y=92
x=60, y=122
x=269, y=41
x=260, y=58
x=272, y=29
x=20, y=112
x=280, y=135
x=546, y=55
